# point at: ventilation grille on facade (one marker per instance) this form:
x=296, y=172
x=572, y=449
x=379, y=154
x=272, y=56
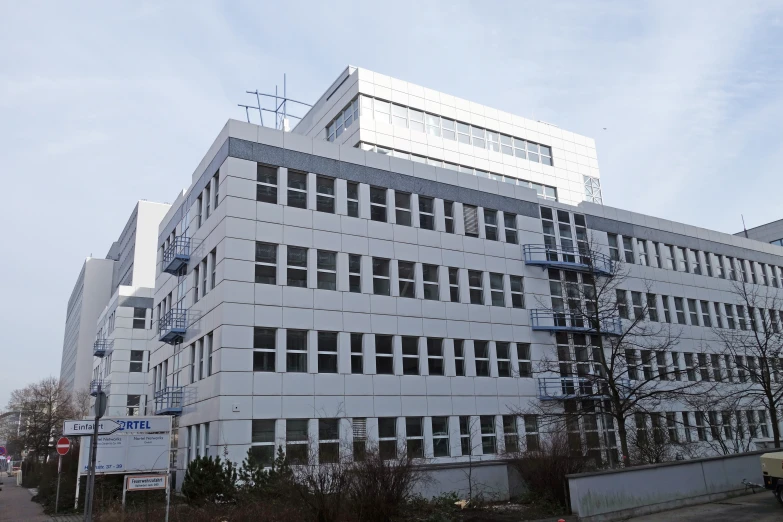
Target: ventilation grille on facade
x=471, y=220
x=359, y=429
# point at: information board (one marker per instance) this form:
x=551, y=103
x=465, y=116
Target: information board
x=133, y=449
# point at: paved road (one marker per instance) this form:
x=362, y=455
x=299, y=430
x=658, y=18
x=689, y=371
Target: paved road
x=761, y=507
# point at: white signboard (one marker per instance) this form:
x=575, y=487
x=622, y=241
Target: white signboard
x=87, y=427
x=142, y=445
x=142, y=482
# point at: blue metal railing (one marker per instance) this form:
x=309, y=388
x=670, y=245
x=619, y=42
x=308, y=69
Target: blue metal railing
x=103, y=384
x=177, y=255
x=572, y=387
x=173, y=325
x=568, y=258
x=572, y=321
x=102, y=347
x=168, y=401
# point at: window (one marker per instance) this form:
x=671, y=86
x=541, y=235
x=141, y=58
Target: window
x=416, y=120
x=133, y=404
x=638, y=309
x=708, y=263
x=682, y=259
x=628, y=248
x=328, y=440
x=440, y=437
x=435, y=356
x=743, y=325
x=399, y=116
x=263, y=441
x=402, y=203
x=410, y=355
x=357, y=354
x=377, y=204
x=471, y=220
x=296, y=441
x=208, y=348
x=327, y=352
x=199, y=206
x=324, y=194
x=216, y=189
x=668, y=256
x=264, y=349
x=387, y=437
x=414, y=435
x=354, y=273
x=136, y=361
x=430, y=277
x=496, y=289
x=327, y=270
x=694, y=314
x=384, y=355
x=503, y=352
x=614, y=249
x=720, y=272
x=729, y=316
x=353, y=199
x=202, y=367
x=676, y=366
x=454, y=284
x=694, y=261
x=622, y=304
x=359, y=428
x=510, y=224
x=667, y=316
x=140, y=318
x=426, y=213
x=701, y=430
x=531, y=432
x=297, y=189
x=476, y=286
x=465, y=436
x=704, y=371
x=193, y=373
x=491, y=224
x=686, y=423
x=297, y=267
x=510, y=433
x=641, y=246
x=407, y=282
x=652, y=307
x=296, y=351
x=204, y=277
x=705, y=313
x=679, y=308
x=488, y=434
x=459, y=357
x=448, y=212
x=207, y=202
x=380, y=276
x=266, y=263
x=481, y=351
x=266, y=189
x=517, y=292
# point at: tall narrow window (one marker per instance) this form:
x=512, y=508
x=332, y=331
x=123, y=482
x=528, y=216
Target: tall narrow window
x=638, y=309
x=377, y=204
x=328, y=440
x=355, y=273
x=531, y=432
x=387, y=437
x=380, y=276
x=448, y=212
x=440, y=437
x=503, y=351
x=353, y=199
x=202, y=361
x=207, y=202
x=679, y=307
x=406, y=278
x=708, y=263
x=136, y=361
x=525, y=363
x=296, y=351
x=743, y=324
x=476, y=286
x=652, y=307
x=296, y=441
x=384, y=355
x=459, y=357
x=216, y=189
x=510, y=434
x=517, y=292
x=491, y=224
x=209, y=347
x=357, y=354
x=263, y=441
x=488, y=434
x=614, y=248
x=327, y=270
x=324, y=194
x=264, y=349
x=454, y=284
x=705, y=314
x=266, y=189
x=481, y=351
x=622, y=303
x=435, y=356
x=359, y=428
x=694, y=314
x=510, y=224
x=465, y=435
x=426, y=213
x=266, y=263
x=729, y=316
x=430, y=279
x=213, y=268
x=199, y=211
x=140, y=318
x=402, y=204
x=414, y=435
x=297, y=267
x=496, y=289
x=327, y=352
x=204, y=276
x=471, y=220
x=719, y=269
x=667, y=316
x=628, y=248
x=297, y=189
x=410, y=355
x=133, y=404
x=641, y=246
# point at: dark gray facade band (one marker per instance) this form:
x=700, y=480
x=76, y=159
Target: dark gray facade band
x=135, y=302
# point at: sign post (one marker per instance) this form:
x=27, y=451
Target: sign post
x=100, y=409
x=63, y=445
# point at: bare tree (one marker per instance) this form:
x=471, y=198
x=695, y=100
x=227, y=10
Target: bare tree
x=612, y=357
x=720, y=419
x=753, y=340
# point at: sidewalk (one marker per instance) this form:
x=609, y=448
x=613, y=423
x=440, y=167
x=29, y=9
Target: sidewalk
x=15, y=504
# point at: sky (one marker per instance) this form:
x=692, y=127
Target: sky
x=103, y=104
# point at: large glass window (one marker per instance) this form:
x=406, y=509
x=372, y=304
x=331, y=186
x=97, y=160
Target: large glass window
x=448, y=212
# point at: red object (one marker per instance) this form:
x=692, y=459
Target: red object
x=63, y=445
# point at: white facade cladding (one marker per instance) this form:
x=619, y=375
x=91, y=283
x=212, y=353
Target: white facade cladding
x=311, y=292
x=403, y=120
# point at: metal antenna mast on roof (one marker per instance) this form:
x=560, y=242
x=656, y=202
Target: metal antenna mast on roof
x=279, y=109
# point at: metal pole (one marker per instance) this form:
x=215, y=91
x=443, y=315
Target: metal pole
x=93, y=455
x=124, y=491
x=168, y=494
x=78, y=479
x=260, y=115
x=59, y=471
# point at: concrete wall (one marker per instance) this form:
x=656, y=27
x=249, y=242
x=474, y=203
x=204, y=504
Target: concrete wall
x=617, y=495
x=491, y=480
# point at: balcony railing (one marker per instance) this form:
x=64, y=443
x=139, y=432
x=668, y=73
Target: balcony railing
x=177, y=256
x=567, y=321
x=101, y=384
x=173, y=325
x=573, y=387
x=102, y=347
x=168, y=401
x=568, y=259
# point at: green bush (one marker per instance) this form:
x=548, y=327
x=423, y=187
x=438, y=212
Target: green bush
x=210, y=480
x=274, y=482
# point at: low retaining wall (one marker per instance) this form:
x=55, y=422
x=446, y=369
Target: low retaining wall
x=494, y=480
x=619, y=494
